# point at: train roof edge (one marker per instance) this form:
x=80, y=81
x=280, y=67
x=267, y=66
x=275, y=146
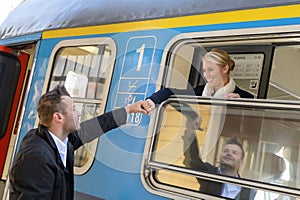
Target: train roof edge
x=32, y=16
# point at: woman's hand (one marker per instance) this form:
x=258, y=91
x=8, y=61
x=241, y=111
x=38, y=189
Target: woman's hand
x=233, y=95
x=148, y=105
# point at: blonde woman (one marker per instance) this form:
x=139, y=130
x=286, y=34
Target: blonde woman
x=217, y=66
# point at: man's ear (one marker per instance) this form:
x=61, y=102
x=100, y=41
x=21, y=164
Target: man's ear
x=58, y=117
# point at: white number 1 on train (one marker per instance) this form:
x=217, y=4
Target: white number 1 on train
x=141, y=52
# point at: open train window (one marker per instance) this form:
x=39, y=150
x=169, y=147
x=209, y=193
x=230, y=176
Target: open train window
x=85, y=67
x=268, y=133
x=252, y=66
x=9, y=75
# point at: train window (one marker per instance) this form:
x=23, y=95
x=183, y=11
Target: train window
x=9, y=74
x=284, y=82
x=85, y=70
x=185, y=157
x=250, y=62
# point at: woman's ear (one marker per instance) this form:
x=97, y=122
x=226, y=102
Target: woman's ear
x=226, y=69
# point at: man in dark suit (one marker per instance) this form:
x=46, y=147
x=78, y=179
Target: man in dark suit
x=43, y=167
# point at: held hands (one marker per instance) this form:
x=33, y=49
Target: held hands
x=135, y=108
x=144, y=107
x=148, y=105
x=191, y=127
x=194, y=124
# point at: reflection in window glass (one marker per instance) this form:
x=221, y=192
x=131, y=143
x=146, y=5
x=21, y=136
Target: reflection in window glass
x=269, y=137
x=83, y=69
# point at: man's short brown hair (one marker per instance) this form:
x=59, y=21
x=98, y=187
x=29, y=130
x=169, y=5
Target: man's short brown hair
x=50, y=103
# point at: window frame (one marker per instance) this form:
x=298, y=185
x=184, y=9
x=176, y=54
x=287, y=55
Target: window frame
x=151, y=166
x=85, y=42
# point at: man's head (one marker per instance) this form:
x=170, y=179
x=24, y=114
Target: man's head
x=57, y=107
x=232, y=155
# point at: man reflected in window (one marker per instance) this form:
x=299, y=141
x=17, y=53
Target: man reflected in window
x=230, y=161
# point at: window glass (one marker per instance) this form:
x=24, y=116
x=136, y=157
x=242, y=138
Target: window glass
x=9, y=75
x=284, y=80
x=268, y=134
x=85, y=72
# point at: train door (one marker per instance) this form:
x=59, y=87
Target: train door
x=13, y=66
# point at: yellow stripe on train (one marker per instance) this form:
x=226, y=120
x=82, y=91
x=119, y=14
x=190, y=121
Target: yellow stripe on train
x=279, y=12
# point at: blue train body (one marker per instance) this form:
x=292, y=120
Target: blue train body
x=145, y=34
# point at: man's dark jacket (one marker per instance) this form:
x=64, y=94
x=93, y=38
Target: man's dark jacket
x=38, y=172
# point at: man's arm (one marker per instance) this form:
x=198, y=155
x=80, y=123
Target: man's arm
x=192, y=158
x=95, y=127
x=191, y=151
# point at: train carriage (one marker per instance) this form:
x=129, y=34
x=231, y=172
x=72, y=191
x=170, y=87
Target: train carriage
x=110, y=54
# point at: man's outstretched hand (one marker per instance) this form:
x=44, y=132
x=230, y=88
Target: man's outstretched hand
x=136, y=108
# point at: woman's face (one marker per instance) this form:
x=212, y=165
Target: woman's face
x=215, y=75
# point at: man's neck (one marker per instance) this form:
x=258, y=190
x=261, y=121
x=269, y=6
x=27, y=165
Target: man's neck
x=228, y=171
x=58, y=133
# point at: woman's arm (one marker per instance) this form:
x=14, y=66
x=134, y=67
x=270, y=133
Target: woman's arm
x=163, y=94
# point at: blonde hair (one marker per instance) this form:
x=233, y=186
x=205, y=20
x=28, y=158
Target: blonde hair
x=219, y=57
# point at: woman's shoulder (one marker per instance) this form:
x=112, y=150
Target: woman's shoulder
x=243, y=93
